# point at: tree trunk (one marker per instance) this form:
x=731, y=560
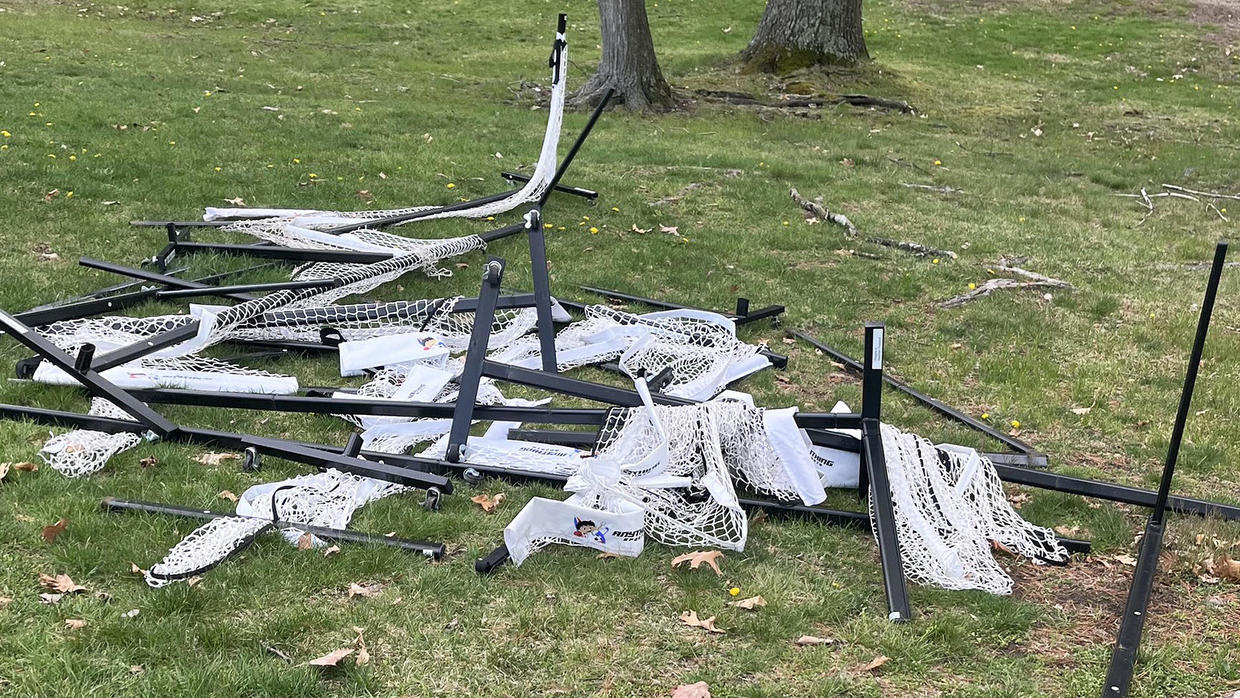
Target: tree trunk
x=628, y=63
x=801, y=33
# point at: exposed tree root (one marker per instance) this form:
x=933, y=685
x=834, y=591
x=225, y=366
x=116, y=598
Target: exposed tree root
x=803, y=102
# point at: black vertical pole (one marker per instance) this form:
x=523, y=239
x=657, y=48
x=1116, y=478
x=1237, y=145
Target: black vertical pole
x=873, y=476
x=476, y=354
x=1124, y=656
x=542, y=288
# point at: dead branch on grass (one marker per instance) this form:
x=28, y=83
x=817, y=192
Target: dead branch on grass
x=1035, y=280
x=816, y=211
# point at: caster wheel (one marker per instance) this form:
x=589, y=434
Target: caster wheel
x=251, y=461
x=471, y=476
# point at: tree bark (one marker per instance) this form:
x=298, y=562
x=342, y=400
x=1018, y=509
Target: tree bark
x=628, y=63
x=797, y=34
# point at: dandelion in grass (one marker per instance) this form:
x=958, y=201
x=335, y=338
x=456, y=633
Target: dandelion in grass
x=593, y=230
x=451, y=185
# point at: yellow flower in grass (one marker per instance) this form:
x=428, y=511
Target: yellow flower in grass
x=6, y=134
x=734, y=591
x=1015, y=423
x=451, y=185
x=593, y=230
x=972, y=286
x=985, y=415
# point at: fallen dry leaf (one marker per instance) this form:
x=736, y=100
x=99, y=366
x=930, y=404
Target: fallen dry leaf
x=131, y=613
x=236, y=201
x=876, y=663
x=4, y=602
x=1126, y=559
x=488, y=504
x=26, y=466
x=692, y=690
x=51, y=195
x=305, y=541
x=691, y=619
x=61, y=583
x=363, y=657
x=4, y=469
x=606, y=556
x=216, y=458
x=1224, y=567
x=331, y=551
x=331, y=658
x=50, y=533
x=697, y=557
x=1066, y=531
x=750, y=604
x=225, y=494
x=50, y=599
x=74, y=623
x=149, y=462
x=365, y=195
x=365, y=590
x=136, y=669
x=193, y=581
x=805, y=640
x=1081, y=410
x=640, y=231
x=669, y=229
x=133, y=567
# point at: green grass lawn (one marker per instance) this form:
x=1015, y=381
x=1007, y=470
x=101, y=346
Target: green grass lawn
x=1039, y=113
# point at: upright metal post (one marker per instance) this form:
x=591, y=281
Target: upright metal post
x=873, y=476
x=475, y=356
x=542, y=288
x=1124, y=656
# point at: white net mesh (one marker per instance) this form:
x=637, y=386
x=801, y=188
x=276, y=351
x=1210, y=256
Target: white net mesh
x=326, y=499
x=949, y=506
x=300, y=227
x=700, y=348
x=363, y=321
x=84, y=451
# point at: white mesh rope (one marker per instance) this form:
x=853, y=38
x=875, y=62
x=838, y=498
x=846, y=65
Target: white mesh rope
x=326, y=499
x=299, y=227
x=949, y=506
x=85, y=451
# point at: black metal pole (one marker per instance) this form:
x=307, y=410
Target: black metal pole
x=475, y=356
x=940, y=407
x=1124, y=656
x=874, y=470
x=542, y=288
x=246, y=288
x=432, y=550
x=572, y=152
x=89, y=378
x=162, y=279
x=85, y=308
x=740, y=318
x=587, y=194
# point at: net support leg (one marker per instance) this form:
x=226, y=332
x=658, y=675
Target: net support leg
x=542, y=288
x=873, y=475
x=475, y=356
x=1124, y=655
x=572, y=152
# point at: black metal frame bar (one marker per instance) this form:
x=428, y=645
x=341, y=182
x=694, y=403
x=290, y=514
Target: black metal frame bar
x=246, y=288
x=471, y=374
x=433, y=551
x=742, y=316
x=94, y=306
x=542, y=288
x=1128, y=640
x=150, y=420
x=168, y=282
x=936, y=405
x=587, y=194
x=872, y=477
